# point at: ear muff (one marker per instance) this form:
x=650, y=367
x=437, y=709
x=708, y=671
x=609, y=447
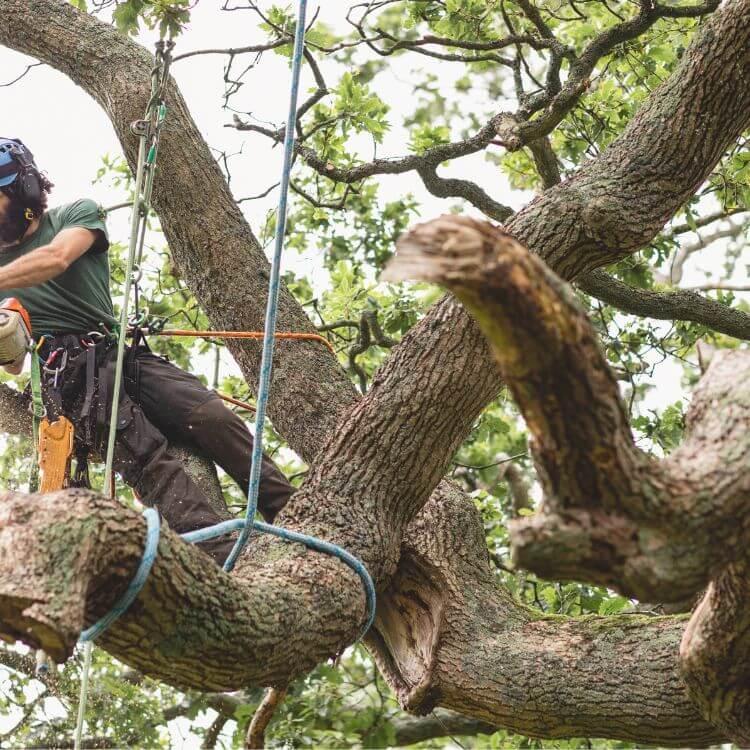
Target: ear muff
x=27, y=185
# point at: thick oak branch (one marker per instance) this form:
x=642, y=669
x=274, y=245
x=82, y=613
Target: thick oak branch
x=448, y=635
x=657, y=530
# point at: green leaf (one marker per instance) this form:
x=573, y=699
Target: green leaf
x=614, y=605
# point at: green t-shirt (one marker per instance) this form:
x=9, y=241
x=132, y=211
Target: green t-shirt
x=78, y=299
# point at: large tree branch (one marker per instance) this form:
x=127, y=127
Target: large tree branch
x=447, y=634
x=612, y=514
x=191, y=619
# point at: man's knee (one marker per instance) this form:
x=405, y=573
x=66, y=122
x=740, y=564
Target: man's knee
x=212, y=414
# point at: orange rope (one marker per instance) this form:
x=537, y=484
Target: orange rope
x=235, y=401
x=244, y=335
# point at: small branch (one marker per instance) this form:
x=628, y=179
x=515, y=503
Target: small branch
x=259, y=195
x=719, y=286
x=233, y=51
x=332, y=206
x=439, y=723
x=705, y=221
x=256, y=732
x=22, y=75
x=686, y=250
x=368, y=330
x=499, y=462
x=680, y=304
x=399, y=165
x=212, y=735
x=545, y=161
x=444, y=187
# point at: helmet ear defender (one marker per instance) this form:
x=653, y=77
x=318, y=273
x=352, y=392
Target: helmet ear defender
x=27, y=184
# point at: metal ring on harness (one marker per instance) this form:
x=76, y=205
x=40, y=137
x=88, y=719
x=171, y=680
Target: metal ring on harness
x=55, y=371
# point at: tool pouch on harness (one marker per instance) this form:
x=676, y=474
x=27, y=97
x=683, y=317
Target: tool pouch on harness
x=55, y=452
x=77, y=382
x=78, y=378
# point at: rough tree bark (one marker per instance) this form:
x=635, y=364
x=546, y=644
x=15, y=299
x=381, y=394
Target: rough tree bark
x=286, y=609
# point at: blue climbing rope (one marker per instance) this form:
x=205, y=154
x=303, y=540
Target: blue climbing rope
x=249, y=523
x=319, y=545
x=266, y=363
x=136, y=584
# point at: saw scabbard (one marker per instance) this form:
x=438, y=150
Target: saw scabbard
x=55, y=452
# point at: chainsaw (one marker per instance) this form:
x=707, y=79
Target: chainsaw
x=15, y=331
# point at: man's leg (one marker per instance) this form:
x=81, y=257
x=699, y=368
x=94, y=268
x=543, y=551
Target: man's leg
x=182, y=407
x=143, y=461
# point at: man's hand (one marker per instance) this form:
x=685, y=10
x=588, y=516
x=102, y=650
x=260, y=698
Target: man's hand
x=48, y=261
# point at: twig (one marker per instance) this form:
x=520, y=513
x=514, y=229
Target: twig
x=256, y=732
x=504, y=460
x=19, y=77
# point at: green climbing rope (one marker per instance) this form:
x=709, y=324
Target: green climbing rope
x=37, y=411
x=148, y=131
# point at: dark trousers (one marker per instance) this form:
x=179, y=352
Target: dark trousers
x=163, y=402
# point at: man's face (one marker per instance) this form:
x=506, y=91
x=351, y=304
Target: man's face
x=12, y=221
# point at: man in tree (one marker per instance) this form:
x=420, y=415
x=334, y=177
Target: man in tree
x=56, y=263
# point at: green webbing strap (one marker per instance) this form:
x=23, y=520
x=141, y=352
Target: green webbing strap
x=37, y=412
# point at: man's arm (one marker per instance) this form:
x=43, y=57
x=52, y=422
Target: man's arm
x=48, y=261
x=43, y=264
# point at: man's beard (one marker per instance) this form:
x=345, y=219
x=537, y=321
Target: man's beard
x=13, y=224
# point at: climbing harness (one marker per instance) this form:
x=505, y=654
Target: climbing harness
x=148, y=131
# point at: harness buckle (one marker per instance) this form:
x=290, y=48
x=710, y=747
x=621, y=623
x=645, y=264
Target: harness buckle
x=92, y=339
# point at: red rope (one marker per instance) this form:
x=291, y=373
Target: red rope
x=244, y=335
